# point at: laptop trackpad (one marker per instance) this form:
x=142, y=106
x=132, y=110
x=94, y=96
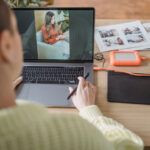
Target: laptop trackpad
x=46, y=94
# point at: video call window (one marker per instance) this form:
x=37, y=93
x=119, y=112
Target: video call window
x=52, y=34
x=56, y=34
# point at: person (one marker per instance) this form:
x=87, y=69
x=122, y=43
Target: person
x=127, y=31
x=53, y=35
x=136, y=30
x=50, y=30
x=29, y=126
x=119, y=41
x=136, y=39
x=108, y=43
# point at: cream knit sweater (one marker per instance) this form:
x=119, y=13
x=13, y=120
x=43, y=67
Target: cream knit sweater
x=29, y=126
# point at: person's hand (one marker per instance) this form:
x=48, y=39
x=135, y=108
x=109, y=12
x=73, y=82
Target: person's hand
x=85, y=94
x=58, y=37
x=66, y=36
x=17, y=81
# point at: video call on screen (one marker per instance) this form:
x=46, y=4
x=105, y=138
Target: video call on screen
x=56, y=34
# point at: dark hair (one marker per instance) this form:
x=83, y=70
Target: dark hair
x=48, y=25
x=5, y=13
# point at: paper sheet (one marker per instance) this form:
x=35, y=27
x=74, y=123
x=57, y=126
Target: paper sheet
x=130, y=35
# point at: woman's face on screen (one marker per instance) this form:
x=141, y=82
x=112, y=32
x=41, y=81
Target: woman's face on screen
x=53, y=20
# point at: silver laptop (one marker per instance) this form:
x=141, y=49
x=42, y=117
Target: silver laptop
x=58, y=46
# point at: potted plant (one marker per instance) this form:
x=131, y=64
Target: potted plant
x=28, y=3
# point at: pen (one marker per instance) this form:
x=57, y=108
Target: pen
x=85, y=77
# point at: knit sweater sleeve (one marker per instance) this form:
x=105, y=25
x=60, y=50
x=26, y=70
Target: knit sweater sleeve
x=116, y=133
x=30, y=127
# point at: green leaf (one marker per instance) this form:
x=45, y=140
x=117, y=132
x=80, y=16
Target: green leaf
x=66, y=12
x=25, y=2
x=59, y=12
x=33, y=5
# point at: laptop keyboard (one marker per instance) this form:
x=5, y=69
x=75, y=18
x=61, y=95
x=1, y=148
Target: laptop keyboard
x=52, y=75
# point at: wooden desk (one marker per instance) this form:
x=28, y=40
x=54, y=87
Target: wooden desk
x=106, y=9
x=134, y=116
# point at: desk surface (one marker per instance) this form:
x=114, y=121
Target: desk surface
x=111, y=8
x=135, y=117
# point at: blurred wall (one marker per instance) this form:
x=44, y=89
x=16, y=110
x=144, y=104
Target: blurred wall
x=39, y=19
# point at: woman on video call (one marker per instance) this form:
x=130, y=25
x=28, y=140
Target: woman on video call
x=51, y=30
x=29, y=126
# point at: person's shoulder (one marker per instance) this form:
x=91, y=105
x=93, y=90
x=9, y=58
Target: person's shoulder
x=23, y=109
x=29, y=106
x=21, y=102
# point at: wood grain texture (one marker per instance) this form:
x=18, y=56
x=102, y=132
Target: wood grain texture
x=117, y=9
x=136, y=117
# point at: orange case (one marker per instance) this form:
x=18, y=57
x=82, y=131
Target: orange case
x=115, y=62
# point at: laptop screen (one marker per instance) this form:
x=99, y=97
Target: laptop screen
x=51, y=34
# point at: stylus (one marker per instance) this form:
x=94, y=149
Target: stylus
x=85, y=77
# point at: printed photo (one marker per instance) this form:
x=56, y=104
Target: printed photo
x=135, y=38
x=52, y=34
x=130, y=35
x=113, y=42
x=108, y=33
x=147, y=27
x=132, y=30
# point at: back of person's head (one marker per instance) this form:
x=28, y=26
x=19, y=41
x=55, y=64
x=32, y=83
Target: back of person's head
x=48, y=17
x=5, y=15
x=10, y=42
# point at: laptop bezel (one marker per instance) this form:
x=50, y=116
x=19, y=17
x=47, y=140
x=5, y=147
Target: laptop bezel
x=63, y=8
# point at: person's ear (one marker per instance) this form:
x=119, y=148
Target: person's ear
x=6, y=46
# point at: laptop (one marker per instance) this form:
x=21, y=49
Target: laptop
x=58, y=46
